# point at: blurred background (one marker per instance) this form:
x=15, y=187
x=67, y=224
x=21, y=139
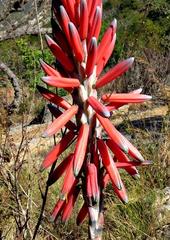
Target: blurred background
x=143, y=33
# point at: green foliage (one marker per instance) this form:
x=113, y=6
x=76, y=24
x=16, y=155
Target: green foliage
x=61, y=92
x=141, y=24
x=30, y=57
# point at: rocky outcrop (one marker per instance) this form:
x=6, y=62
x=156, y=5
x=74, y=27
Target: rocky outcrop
x=162, y=214
x=31, y=17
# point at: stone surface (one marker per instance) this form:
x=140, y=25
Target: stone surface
x=15, y=23
x=162, y=214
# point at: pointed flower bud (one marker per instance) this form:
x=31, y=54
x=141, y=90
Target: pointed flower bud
x=80, y=149
x=60, y=122
x=109, y=164
x=92, y=188
x=92, y=54
x=57, y=150
x=84, y=21
x=54, y=98
x=61, y=82
x=115, y=72
x=60, y=54
x=98, y=107
x=125, y=98
x=76, y=42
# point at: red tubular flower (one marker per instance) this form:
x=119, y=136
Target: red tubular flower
x=92, y=184
x=70, y=181
x=56, y=113
x=50, y=71
x=57, y=209
x=61, y=82
x=113, y=133
x=106, y=55
x=96, y=24
x=82, y=214
x=92, y=54
x=76, y=42
x=55, y=126
x=115, y=72
x=68, y=208
x=109, y=164
x=60, y=54
x=83, y=19
x=76, y=26
x=106, y=40
x=80, y=149
x=58, y=149
x=54, y=98
x=63, y=167
x=64, y=20
x=125, y=98
x=98, y=107
x=121, y=156
x=59, y=37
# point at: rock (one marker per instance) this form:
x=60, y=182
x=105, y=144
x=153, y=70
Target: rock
x=162, y=206
x=162, y=214
x=163, y=233
x=17, y=23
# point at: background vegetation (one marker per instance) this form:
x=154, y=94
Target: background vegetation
x=143, y=32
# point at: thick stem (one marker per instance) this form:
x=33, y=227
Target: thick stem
x=87, y=114
x=96, y=220
x=96, y=216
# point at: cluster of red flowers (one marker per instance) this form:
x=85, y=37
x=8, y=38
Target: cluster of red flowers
x=96, y=160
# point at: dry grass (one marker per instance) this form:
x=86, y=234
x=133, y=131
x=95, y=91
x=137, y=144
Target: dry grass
x=21, y=183
x=136, y=220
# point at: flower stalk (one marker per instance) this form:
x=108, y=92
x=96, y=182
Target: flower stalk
x=95, y=161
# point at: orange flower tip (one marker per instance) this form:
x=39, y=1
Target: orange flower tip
x=52, y=218
x=94, y=41
x=114, y=23
x=137, y=91
x=136, y=176
x=107, y=114
x=41, y=61
x=130, y=60
x=140, y=157
x=62, y=196
x=125, y=200
x=71, y=27
x=76, y=172
x=49, y=40
x=147, y=163
x=42, y=168
x=119, y=186
x=148, y=97
x=124, y=148
x=45, y=134
x=45, y=79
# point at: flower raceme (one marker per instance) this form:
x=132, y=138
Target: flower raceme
x=95, y=161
